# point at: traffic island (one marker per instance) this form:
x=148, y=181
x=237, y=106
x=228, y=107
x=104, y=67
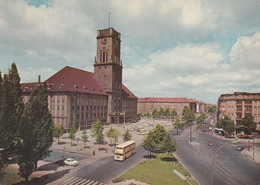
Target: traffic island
x=157, y=171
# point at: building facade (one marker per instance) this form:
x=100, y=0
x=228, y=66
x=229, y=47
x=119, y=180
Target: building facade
x=148, y=105
x=239, y=104
x=78, y=97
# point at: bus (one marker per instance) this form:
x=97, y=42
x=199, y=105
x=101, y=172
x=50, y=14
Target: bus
x=124, y=150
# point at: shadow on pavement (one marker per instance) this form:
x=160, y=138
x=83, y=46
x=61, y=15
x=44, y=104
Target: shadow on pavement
x=51, y=166
x=45, y=179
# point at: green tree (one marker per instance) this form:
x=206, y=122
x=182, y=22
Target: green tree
x=212, y=108
x=201, y=118
x=227, y=124
x=247, y=124
x=72, y=133
x=161, y=112
x=84, y=131
x=11, y=109
x=97, y=132
x=36, y=132
x=188, y=115
x=127, y=136
x=168, y=145
x=58, y=132
x=149, y=143
x=167, y=112
x=113, y=134
x=174, y=113
x=155, y=113
x=154, y=139
x=177, y=125
x=84, y=138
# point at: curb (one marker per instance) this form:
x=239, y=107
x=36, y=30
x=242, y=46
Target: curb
x=185, y=168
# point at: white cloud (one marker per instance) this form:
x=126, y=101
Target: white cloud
x=169, y=48
x=246, y=52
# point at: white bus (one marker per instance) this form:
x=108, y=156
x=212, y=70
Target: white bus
x=124, y=150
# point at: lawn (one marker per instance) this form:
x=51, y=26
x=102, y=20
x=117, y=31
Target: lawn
x=158, y=171
x=11, y=177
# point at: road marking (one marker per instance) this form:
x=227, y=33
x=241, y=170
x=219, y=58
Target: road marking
x=69, y=180
x=80, y=181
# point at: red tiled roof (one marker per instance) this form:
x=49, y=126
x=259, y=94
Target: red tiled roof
x=128, y=92
x=74, y=80
x=28, y=87
x=70, y=79
x=166, y=100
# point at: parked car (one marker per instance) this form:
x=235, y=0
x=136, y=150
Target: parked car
x=240, y=148
x=210, y=143
x=71, y=162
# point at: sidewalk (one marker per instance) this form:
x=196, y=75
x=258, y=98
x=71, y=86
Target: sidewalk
x=106, y=150
x=253, y=154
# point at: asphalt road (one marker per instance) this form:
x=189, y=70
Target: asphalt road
x=230, y=166
x=57, y=155
x=107, y=168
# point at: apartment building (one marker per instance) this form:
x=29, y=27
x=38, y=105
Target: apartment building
x=239, y=104
x=147, y=105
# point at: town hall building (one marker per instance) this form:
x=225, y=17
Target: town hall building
x=77, y=97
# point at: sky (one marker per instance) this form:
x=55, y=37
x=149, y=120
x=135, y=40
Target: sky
x=197, y=49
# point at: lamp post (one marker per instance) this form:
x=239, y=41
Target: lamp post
x=215, y=154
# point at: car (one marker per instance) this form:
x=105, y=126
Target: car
x=240, y=148
x=71, y=162
x=210, y=143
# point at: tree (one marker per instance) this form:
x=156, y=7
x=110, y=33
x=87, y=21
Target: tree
x=36, y=132
x=97, y=132
x=84, y=138
x=72, y=133
x=177, y=125
x=149, y=143
x=188, y=115
x=247, y=124
x=155, y=113
x=212, y=108
x=168, y=145
x=154, y=139
x=113, y=134
x=167, y=112
x=227, y=124
x=127, y=136
x=161, y=112
x=58, y=132
x=201, y=118
x=174, y=113
x=11, y=109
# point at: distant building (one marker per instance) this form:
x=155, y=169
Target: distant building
x=239, y=104
x=148, y=105
x=78, y=97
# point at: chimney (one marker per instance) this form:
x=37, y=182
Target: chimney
x=39, y=78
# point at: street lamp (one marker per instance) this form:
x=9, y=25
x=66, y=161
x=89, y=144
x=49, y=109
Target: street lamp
x=215, y=154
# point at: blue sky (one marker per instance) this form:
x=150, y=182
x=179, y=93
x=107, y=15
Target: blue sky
x=195, y=48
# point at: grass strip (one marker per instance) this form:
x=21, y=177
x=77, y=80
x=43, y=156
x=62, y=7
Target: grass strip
x=158, y=170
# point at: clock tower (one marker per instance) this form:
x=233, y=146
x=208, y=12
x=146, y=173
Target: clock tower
x=108, y=70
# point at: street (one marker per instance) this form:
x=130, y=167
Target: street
x=230, y=166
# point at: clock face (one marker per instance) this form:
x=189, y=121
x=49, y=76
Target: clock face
x=104, y=41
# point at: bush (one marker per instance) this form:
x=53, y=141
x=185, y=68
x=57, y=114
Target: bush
x=119, y=179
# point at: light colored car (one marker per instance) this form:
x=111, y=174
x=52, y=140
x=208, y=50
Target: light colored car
x=71, y=162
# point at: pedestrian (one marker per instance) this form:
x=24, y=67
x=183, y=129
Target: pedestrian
x=94, y=153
